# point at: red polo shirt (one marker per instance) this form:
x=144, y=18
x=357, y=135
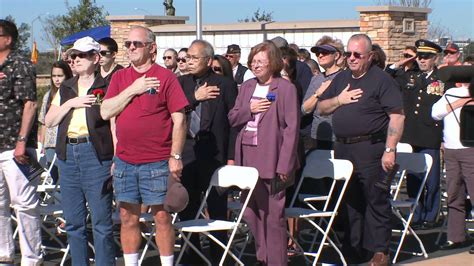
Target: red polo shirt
x=144, y=127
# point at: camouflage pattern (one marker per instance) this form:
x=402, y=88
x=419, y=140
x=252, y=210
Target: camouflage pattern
x=18, y=85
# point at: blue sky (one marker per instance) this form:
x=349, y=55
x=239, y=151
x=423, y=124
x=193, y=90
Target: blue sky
x=455, y=15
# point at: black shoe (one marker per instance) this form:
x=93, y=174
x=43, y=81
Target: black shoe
x=417, y=226
x=454, y=245
x=471, y=251
x=428, y=225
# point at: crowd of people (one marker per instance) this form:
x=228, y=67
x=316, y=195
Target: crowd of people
x=123, y=136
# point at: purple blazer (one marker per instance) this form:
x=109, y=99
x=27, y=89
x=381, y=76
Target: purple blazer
x=277, y=129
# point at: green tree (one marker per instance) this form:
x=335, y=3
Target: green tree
x=257, y=16
x=85, y=15
x=468, y=50
x=23, y=36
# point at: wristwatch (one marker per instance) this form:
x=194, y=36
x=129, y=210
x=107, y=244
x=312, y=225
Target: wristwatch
x=388, y=149
x=176, y=156
x=21, y=139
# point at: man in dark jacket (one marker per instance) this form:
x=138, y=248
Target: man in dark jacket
x=240, y=72
x=210, y=140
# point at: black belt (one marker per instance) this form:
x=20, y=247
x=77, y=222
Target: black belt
x=374, y=138
x=75, y=141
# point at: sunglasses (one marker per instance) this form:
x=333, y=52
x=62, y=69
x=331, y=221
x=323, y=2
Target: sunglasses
x=449, y=52
x=105, y=53
x=69, y=62
x=229, y=56
x=323, y=53
x=355, y=54
x=167, y=57
x=425, y=56
x=181, y=60
x=136, y=44
x=80, y=55
x=217, y=69
x=407, y=56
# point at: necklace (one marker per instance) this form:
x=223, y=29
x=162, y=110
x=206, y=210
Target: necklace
x=359, y=77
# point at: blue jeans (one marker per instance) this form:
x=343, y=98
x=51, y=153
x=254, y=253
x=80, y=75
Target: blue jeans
x=82, y=181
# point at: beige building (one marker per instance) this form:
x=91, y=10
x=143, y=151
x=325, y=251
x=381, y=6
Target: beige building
x=391, y=27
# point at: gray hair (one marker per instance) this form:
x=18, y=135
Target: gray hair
x=208, y=49
x=150, y=36
x=361, y=36
x=171, y=50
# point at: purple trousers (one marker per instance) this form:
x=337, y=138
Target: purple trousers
x=460, y=178
x=265, y=216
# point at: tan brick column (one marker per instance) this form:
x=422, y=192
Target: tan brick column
x=120, y=27
x=385, y=26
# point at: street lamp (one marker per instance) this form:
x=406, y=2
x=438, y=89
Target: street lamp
x=33, y=21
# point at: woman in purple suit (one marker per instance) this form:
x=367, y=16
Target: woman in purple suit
x=267, y=111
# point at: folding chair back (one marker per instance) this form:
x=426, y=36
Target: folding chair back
x=404, y=147
x=317, y=168
x=415, y=163
x=226, y=176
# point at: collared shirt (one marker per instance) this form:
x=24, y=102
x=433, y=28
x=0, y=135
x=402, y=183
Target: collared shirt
x=18, y=86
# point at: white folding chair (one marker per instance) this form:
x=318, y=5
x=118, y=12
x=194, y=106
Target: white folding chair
x=416, y=163
x=338, y=170
x=400, y=176
x=226, y=176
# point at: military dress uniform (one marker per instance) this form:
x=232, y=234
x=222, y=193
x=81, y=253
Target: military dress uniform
x=425, y=135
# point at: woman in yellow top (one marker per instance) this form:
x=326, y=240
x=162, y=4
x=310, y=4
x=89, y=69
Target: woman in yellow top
x=84, y=150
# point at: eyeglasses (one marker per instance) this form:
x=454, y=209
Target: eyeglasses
x=408, y=56
x=229, y=56
x=194, y=58
x=449, y=52
x=355, y=54
x=323, y=53
x=258, y=63
x=136, y=44
x=425, y=56
x=167, y=57
x=105, y=53
x=80, y=55
x=217, y=69
x=181, y=60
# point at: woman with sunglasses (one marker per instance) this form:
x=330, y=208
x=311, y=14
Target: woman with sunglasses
x=84, y=150
x=221, y=66
x=328, y=51
x=182, y=66
x=60, y=72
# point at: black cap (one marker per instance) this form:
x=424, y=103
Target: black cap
x=425, y=46
x=233, y=49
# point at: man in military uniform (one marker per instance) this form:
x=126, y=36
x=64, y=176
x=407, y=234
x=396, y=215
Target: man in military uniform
x=424, y=133
x=405, y=70
x=17, y=142
x=240, y=72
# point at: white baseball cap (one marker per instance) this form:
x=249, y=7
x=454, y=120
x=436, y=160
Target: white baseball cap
x=85, y=44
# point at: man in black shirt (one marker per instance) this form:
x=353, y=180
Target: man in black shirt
x=240, y=72
x=210, y=140
x=368, y=122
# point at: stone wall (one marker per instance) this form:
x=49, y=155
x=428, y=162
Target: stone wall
x=120, y=27
x=384, y=25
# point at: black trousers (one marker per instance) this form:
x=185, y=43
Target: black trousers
x=196, y=177
x=366, y=208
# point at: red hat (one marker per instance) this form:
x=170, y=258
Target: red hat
x=452, y=47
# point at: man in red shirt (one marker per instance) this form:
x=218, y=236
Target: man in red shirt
x=147, y=102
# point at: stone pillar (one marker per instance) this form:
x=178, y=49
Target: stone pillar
x=394, y=27
x=120, y=27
